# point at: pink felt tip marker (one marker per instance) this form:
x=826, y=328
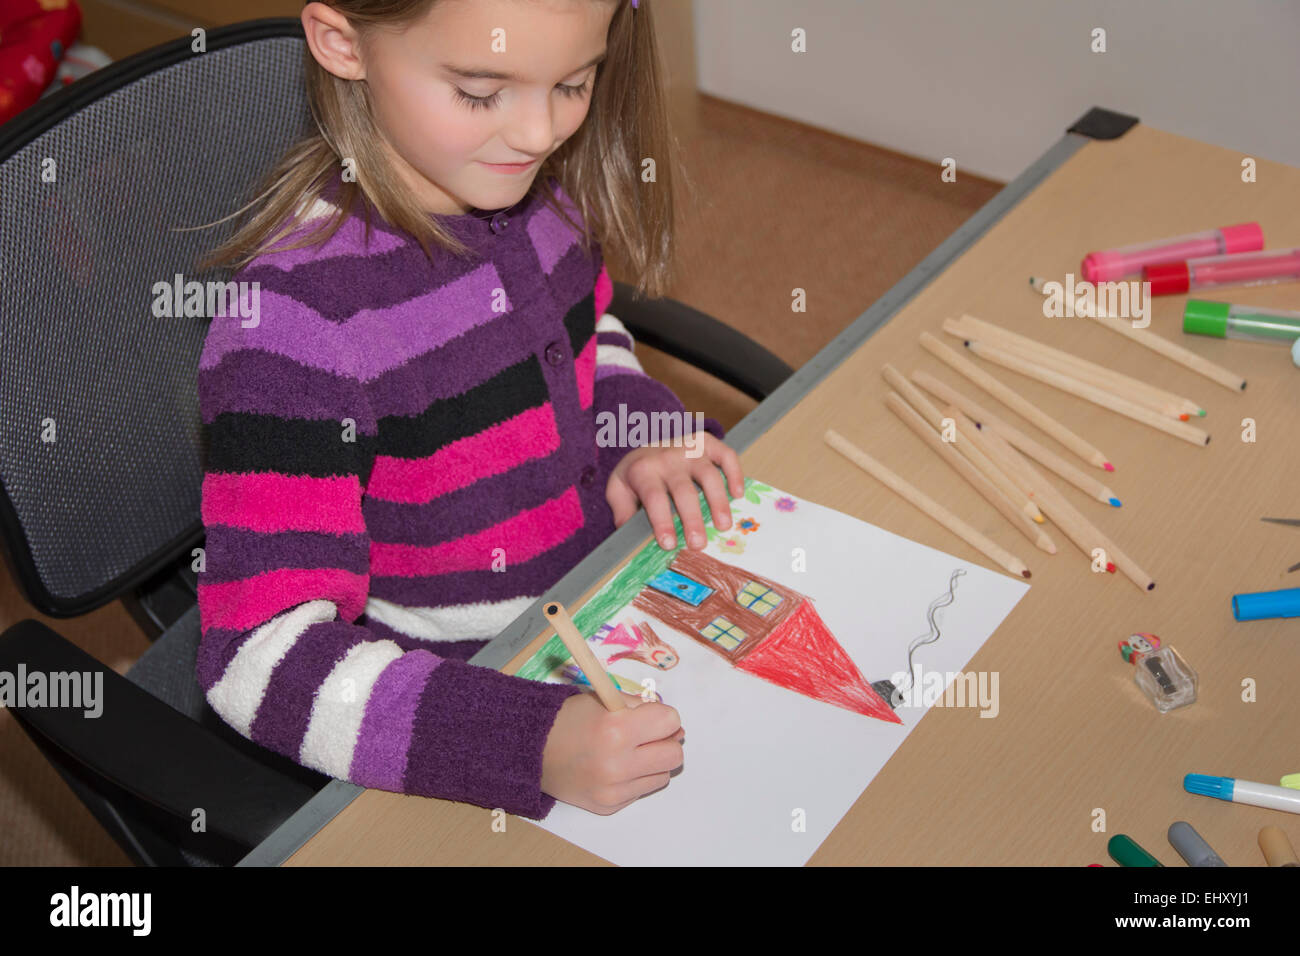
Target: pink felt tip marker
x=1126, y=261
x=1246, y=268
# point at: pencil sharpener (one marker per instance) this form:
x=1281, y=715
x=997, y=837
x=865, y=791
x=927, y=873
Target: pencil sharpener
x=1160, y=672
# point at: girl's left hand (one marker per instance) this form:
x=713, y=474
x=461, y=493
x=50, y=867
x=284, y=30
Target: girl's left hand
x=650, y=473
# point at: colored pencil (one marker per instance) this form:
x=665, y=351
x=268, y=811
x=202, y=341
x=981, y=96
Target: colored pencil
x=600, y=682
x=1175, y=353
x=990, y=549
x=1089, y=393
x=970, y=451
x=1014, y=436
x=1016, y=402
x=963, y=467
x=1143, y=393
x=1085, y=535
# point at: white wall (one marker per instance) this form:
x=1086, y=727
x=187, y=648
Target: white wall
x=993, y=83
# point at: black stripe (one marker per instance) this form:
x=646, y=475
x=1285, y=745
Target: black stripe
x=580, y=323
x=245, y=441
x=513, y=390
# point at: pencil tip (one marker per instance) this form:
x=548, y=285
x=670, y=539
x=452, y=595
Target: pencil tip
x=1039, y=519
x=1110, y=567
x=1184, y=417
x=1108, y=466
x=1151, y=586
x=1115, y=502
x=1201, y=412
x=1026, y=573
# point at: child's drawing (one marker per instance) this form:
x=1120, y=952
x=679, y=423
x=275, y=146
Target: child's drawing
x=760, y=626
x=640, y=643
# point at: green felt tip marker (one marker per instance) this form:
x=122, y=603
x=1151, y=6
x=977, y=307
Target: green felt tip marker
x=1252, y=323
x=1125, y=852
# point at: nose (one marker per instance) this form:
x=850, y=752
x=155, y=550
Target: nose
x=532, y=128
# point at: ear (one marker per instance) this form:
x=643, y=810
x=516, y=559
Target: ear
x=333, y=41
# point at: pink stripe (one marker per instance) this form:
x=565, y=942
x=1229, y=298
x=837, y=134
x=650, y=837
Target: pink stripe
x=585, y=368
x=244, y=604
x=270, y=502
x=506, y=445
x=522, y=537
x=604, y=292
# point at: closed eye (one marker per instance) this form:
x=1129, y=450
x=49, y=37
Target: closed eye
x=486, y=102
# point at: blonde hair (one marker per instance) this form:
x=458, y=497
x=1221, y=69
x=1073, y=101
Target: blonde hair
x=599, y=167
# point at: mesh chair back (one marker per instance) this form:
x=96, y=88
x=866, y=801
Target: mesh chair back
x=100, y=439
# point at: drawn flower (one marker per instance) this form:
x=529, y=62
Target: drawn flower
x=746, y=525
x=785, y=504
x=733, y=543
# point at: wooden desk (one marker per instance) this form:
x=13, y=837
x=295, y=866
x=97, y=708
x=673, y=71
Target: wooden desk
x=1073, y=734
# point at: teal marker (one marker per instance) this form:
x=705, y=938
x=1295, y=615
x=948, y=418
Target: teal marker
x=1125, y=852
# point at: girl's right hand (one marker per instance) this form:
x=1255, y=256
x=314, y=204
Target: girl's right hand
x=602, y=760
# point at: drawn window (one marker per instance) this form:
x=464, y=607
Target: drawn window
x=723, y=633
x=758, y=598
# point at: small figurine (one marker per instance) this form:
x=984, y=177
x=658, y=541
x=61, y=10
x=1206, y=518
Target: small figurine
x=1160, y=672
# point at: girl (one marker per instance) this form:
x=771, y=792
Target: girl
x=403, y=447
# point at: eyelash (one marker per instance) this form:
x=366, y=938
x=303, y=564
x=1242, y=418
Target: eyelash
x=484, y=102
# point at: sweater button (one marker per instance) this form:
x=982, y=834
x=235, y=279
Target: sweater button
x=554, y=353
x=588, y=476
x=499, y=222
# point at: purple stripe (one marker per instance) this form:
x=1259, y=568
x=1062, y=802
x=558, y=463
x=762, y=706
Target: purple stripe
x=614, y=338
x=379, y=758
x=217, y=648
x=551, y=236
x=452, y=369
x=479, y=736
x=346, y=241
x=529, y=578
x=285, y=711
x=232, y=554
x=256, y=381
x=487, y=502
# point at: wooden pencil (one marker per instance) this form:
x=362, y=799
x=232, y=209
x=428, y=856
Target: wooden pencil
x=600, y=682
x=1015, y=401
x=967, y=450
x=1143, y=393
x=1014, y=436
x=990, y=549
x=1085, y=535
x=1055, y=501
x=1175, y=353
x=963, y=467
x=1090, y=393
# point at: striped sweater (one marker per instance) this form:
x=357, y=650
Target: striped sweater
x=401, y=459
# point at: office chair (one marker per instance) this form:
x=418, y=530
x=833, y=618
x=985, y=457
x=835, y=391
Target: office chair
x=101, y=457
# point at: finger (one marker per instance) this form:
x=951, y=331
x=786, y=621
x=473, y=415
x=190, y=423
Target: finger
x=654, y=722
x=622, y=500
x=715, y=493
x=654, y=496
x=723, y=454
x=661, y=756
x=686, y=497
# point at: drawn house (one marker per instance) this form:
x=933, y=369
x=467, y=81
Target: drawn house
x=760, y=626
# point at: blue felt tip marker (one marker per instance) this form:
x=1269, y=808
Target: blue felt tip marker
x=1266, y=604
x=1243, y=791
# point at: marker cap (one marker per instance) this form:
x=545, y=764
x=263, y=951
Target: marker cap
x=1246, y=237
x=1125, y=852
x=1103, y=266
x=1168, y=278
x=1266, y=604
x=1202, y=317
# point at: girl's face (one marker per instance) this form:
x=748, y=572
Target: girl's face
x=544, y=55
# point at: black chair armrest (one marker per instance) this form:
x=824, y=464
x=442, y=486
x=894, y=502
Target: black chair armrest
x=701, y=340
x=147, y=749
